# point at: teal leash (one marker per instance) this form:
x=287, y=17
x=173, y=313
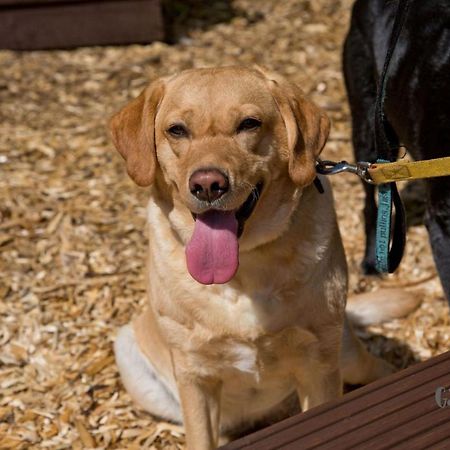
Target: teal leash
x=383, y=231
x=390, y=239
x=391, y=219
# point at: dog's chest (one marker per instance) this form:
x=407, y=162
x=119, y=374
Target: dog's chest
x=238, y=335
x=261, y=373
x=266, y=356
x=253, y=361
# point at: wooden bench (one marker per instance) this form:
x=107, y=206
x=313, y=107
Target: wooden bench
x=398, y=412
x=46, y=24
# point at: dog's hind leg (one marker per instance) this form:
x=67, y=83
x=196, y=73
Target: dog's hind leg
x=369, y=308
x=359, y=75
x=141, y=379
x=357, y=364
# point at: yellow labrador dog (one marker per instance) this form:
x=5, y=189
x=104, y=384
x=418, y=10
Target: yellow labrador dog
x=247, y=279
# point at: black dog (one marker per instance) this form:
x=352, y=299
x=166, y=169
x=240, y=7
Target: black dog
x=417, y=103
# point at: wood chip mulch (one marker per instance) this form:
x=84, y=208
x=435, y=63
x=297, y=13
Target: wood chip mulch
x=72, y=241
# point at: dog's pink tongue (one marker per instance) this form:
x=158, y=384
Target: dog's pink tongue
x=212, y=254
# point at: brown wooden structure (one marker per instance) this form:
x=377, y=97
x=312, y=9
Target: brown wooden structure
x=397, y=412
x=49, y=24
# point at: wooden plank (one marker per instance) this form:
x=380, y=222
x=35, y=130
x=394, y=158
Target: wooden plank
x=68, y=24
x=36, y=3
x=41, y=3
x=399, y=411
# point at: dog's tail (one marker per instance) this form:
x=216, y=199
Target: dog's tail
x=371, y=308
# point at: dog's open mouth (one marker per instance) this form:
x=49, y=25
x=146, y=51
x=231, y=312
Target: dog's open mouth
x=212, y=254
x=245, y=211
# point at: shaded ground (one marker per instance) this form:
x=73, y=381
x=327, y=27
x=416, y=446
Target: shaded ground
x=72, y=240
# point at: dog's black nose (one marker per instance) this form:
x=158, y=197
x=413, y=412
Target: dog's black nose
x=208, y=184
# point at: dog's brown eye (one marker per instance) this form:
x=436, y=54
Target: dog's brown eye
x=249, y=123
x=177, y=131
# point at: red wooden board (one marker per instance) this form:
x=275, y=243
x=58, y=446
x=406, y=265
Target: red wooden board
x=50, y=24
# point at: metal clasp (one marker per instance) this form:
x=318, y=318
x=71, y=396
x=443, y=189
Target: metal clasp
x=331, y=167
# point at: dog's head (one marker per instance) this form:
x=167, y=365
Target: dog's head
x=230, y=149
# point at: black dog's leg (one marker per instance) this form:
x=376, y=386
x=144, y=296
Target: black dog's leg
x=438, y=225
x=359, y=73
x=370, y=220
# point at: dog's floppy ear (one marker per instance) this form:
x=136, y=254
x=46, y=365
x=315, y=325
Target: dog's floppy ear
x=307, y=127
x=133, y=133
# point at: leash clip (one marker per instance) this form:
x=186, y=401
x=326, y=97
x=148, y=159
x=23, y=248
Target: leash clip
x=326, y=167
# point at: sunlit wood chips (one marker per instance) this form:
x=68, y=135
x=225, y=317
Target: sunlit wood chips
x=72, y=241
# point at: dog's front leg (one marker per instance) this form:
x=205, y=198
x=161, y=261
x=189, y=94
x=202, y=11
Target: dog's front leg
x=200, y=403
x=316, y=386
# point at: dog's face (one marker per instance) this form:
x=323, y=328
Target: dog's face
x=230, y=149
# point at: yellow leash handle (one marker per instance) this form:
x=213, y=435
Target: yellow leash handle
x=380, y=173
